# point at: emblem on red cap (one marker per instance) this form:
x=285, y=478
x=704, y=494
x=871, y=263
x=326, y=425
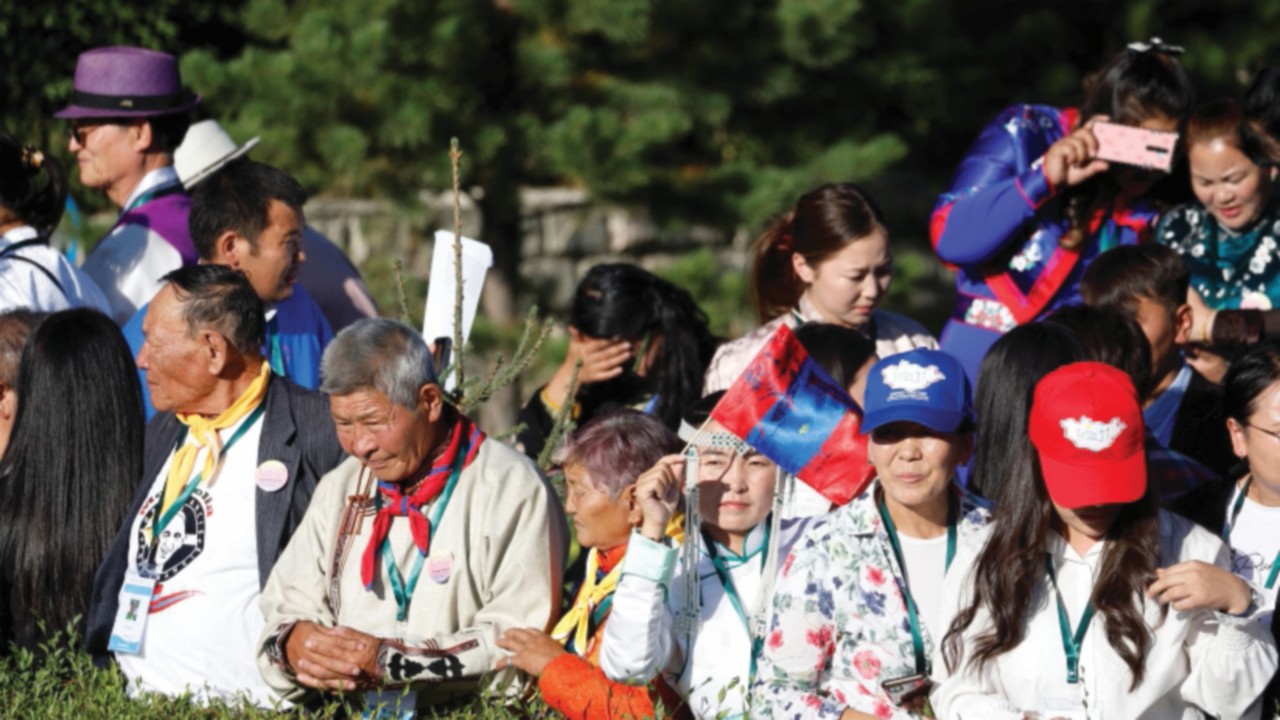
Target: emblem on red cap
x=1089, y=434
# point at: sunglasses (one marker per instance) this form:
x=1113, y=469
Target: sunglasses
x=80, y=130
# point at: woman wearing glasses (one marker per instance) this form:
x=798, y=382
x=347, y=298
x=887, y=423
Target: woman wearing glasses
x=1245, y=512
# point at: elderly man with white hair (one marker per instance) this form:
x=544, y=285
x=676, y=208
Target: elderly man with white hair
x=419, y=550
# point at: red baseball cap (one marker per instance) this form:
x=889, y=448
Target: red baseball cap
x=1087, y=426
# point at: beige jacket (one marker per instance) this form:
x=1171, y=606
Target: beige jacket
x=495, y=562
x=894, y=334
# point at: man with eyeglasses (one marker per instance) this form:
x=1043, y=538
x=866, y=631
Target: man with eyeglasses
x=127, y=114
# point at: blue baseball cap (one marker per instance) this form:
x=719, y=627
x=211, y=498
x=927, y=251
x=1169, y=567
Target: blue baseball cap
x=922, y=386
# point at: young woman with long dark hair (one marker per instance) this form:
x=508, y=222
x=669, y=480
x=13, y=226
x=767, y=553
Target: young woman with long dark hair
x=1010, y=371
x=1085, y=600
x=643, y=343
x=1031, y=205
x=70, y=471
x=827, y=260
x=33, y=194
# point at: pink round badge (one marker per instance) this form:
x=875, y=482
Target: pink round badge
x=440, y=567
x=271, y=475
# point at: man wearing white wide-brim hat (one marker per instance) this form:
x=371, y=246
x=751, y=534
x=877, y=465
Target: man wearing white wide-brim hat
x=328, y=275
x=126, y=115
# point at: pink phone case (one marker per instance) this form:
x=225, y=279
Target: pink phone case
x=1135, y=146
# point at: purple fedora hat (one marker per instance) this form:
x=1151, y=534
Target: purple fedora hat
x=126, y=82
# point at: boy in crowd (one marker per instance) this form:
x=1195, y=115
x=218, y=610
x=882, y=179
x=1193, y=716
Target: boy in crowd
x=1182, y=409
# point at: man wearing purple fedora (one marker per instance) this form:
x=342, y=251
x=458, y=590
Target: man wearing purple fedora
x=127, y=115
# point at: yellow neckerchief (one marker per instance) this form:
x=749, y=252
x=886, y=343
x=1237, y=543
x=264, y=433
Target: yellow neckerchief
x=205, y=434
x=577, y=622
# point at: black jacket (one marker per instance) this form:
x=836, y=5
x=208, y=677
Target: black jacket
x=296, y=430
x=1200, y=430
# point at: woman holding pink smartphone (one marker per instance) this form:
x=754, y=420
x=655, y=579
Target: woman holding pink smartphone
x=1032, y=203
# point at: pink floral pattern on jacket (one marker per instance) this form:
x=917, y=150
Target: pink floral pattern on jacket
x=838, y=626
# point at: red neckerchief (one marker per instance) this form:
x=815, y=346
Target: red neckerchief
x=396, y=504
x=609, y=559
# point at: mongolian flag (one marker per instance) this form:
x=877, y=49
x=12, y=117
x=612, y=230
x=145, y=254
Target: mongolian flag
x=790, y=410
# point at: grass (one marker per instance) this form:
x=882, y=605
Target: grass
x=61, y=682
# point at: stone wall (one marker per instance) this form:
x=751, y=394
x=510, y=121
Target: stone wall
x=564, y=234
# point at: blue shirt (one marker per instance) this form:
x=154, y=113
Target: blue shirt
x=1162, y=414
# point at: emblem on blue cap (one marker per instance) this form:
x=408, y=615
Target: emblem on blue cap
x=910, y=379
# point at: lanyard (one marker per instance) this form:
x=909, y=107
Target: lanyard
x=913, y=615
x=404, y=591
x=722, y=572
x=273, y=340
x=1235, y=514
x=1070, y=642
x=164, y=518
x=150, y=195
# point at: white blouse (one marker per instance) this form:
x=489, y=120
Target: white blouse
x=1198, y=660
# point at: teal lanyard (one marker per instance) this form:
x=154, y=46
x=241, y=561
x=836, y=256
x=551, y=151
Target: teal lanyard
x=167, y=516
x=726, y=580
x=913, y=614
x=1235, y=514
x=1071, y=643
x=1110, y=235
x=404, y=591
x=273, y=339
x=153, y=194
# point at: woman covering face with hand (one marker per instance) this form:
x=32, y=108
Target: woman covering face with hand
x=643, y=343
x=1086, y=601
x=696, y=622
x=856, y=608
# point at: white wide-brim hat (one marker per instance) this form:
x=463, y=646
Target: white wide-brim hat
x=205, y=149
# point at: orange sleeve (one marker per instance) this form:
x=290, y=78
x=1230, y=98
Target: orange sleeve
x=580, y=691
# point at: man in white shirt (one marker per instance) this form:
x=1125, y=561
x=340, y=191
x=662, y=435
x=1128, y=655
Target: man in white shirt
x=126, y=117
x=230, y=465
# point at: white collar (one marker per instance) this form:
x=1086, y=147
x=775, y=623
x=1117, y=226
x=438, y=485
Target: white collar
x=18, y=234
x=1060, y=549
x=158, y=178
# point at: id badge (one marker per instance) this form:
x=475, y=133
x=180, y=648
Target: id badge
x=131, y=615
x=390, y=705
x=1066, y=708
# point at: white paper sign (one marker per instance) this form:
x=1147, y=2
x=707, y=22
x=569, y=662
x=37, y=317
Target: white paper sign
x=477, y=258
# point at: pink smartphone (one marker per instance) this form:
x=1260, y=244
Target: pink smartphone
x=1151, y=149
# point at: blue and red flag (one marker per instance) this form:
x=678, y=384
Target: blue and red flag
x=790, y=410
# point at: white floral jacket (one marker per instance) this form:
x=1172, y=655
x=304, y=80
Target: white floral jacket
x=839, y=622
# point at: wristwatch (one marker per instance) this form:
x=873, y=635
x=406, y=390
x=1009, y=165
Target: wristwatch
x=1255, y=602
